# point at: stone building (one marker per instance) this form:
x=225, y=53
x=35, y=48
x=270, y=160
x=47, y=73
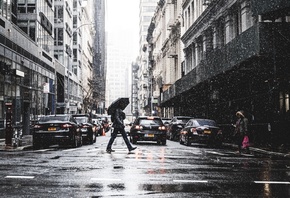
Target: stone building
x=236, y=56
x=166, y=58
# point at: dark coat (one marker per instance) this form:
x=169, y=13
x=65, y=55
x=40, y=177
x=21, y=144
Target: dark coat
x=241, y=126
x=119, y=116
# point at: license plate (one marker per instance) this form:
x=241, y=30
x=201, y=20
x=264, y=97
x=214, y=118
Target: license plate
x=149, y=135
x=207, y=132
x=52, y=129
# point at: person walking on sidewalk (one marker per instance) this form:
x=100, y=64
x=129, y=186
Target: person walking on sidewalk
x=241, y=129
x=118, y=125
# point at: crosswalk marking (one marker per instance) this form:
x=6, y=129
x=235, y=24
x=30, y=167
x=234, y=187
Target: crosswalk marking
x=19, y=177
x=105, y=179
x=271, y=182
x=190, y=181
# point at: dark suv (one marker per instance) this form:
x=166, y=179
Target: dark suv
x=175, y=126
x=148, y=128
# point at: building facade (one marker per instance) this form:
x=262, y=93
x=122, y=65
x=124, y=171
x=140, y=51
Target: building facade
x=46, y=56
x=99, y=58
x=166, y=56
x=236, y=56
x=145, y=95
x=27, y=63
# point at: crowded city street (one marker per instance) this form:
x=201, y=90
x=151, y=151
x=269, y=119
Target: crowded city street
x=152, y=170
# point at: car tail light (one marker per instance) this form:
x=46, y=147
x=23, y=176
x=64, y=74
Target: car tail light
x=85, y=126
x=162, y=128
x=37, y=126
x=66, y=126
x=193, y=130
x=138, y=127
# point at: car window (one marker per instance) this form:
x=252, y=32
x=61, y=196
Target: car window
x=184, y=120
x=81, y=119
x=189, y=123
x=150, y=122
x=49, y=118
x=206, y=122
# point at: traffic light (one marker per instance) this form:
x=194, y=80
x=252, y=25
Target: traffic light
x=4, y=69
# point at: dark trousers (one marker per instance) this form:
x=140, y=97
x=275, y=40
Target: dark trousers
x=114, y=135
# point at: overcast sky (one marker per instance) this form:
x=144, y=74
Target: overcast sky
x=122, y=17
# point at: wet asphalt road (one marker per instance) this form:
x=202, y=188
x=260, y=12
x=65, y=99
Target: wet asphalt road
x=151, y=171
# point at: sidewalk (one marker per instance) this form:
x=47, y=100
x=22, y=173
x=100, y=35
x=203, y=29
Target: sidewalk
x=26, y=143
x=268, y=151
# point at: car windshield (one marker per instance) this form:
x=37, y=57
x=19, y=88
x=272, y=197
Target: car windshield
x=50, y=118
x=183, y=120
x=81, y=119
x=150, y=122
x=206, y=122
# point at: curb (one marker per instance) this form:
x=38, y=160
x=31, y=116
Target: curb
x=263, y=151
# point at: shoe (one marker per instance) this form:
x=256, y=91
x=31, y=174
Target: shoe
x=133, y=148
x=110, y=150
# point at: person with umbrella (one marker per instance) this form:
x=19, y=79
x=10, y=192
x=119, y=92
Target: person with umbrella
x=118, y=116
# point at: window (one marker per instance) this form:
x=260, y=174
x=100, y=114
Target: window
x=26, y=6
x=58, y=54
x=148, y=8
x=146, y=18
x=58, y=36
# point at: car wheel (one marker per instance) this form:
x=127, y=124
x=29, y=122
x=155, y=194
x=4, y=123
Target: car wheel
x=80, y=141
x=170, y=136
x=186, y=141
x=92, y=138
x=133, y=140
x=95, y=137
x=180, y=140
x=163, y=142
x=36, y=145
x=74, y=142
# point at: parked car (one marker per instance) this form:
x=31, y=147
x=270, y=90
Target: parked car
x=61, y=129
x=106, y=122
x=88, y=129
x=148, y=128
x=201, y=131
x=98, y=125
x=166, y=120
x=175, y=126
x=128, y=125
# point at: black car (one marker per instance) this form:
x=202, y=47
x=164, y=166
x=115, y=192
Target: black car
x=148, y=128
x=88, y=128
x=61, y=129
x=98, y=126
x=175, y=126
x=201, y=131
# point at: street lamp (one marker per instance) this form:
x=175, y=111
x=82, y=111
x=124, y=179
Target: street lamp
x=70, y=62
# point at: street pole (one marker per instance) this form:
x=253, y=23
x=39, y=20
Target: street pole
x=70, y=63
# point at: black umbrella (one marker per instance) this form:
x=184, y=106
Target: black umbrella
x=120, y=103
